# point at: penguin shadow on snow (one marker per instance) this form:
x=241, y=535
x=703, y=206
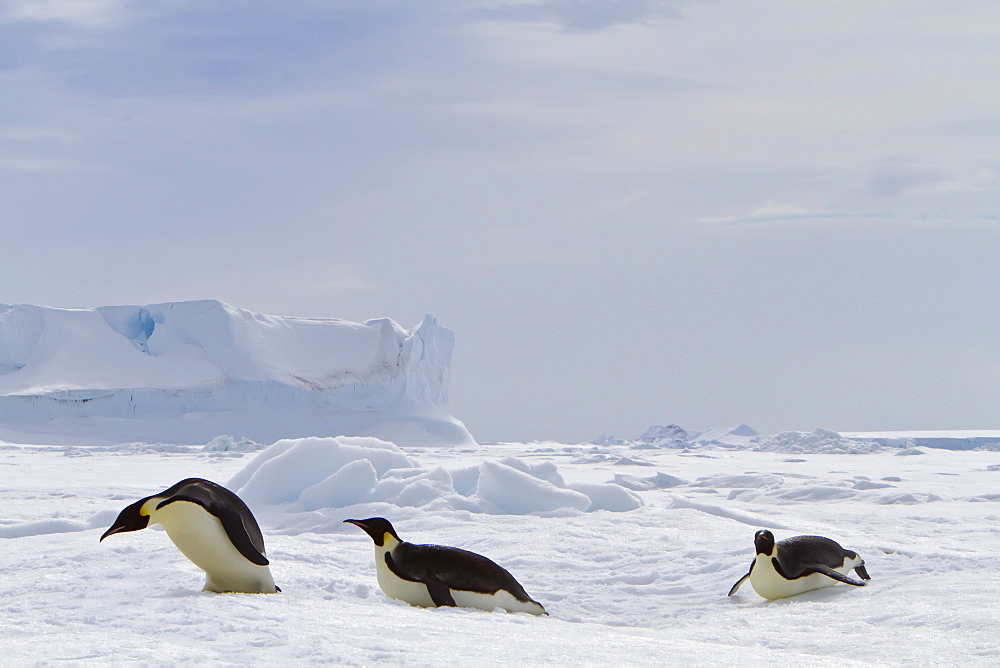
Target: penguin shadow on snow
x=822, y=595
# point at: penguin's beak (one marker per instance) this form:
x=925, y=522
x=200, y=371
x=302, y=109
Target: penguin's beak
x=372, y=533
x=129, y=519
x=113, y=530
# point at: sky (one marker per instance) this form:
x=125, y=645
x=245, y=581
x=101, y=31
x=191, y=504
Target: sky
x=697, y=212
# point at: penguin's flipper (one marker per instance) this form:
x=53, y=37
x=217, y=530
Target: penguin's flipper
x=239, y=536
x=830, y=573
x=862, y=571
x=742, y=579
x=440, y=593
x=738, y=583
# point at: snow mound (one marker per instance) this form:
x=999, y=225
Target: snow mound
x=819, y=441
x=673, y=436
x=731, y=435
x=642, y=484
x=189, y=371
x=225, y=443
x=745, y=480
x=316, y=473
x=608, y=439
x=517, y=492
x=292, y=467
x=669, y=436
x=41, y=527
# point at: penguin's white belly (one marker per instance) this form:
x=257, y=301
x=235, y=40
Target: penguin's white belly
x=201, y=538
x=768, y=583
x=415, y=593
x=501, y=599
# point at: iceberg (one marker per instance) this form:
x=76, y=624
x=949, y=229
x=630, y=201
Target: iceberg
x=186, y=372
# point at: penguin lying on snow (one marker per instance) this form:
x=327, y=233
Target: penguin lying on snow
x=799, y=564
x=212, y=527
x=434, y=575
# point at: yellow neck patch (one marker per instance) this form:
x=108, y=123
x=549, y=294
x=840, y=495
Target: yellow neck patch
x=147, y=508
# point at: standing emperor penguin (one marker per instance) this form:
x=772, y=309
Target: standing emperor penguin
x=435, y=575
x=799, y=564
x=213, y=528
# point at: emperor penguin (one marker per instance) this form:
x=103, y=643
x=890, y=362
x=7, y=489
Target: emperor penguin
x=213, y=528
x=799, y=564
x=435, y=575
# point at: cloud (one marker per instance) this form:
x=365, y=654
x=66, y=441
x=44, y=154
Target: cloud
x=984, y=125
x=208, y=48
x=772, y=212
x=581, y=15
x=895, y=177
x=86, y=14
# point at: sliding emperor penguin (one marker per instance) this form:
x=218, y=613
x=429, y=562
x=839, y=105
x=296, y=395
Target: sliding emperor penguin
x=799, y=564
x=434, y=575
x=213, y=528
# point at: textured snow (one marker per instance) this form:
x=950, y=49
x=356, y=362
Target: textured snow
x=643, y=586
x=185, y=372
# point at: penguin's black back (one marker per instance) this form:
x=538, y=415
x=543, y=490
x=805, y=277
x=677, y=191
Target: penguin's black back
x=796, y=553
x=457, y=568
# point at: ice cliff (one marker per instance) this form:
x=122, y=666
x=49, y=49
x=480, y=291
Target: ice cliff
x=184, y=372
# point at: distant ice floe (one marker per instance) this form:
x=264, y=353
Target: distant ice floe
x=226, y=443
x=223, y=445
x=220, y=446
x=818, y=441
x=315, y=473
x=744, y=437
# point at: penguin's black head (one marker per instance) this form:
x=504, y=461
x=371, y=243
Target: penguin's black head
x=129, y=519
x=376, y=527
x=764, y=542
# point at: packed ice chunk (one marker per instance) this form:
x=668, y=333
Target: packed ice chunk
x=659, y=481
x=311, y=474
x=352, y=483
x=545, y=470
x=281, y=473
x=607, y=496
x=518, y=493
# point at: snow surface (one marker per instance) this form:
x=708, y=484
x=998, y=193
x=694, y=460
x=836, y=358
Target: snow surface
x=188, y=371
x=631, y=549
x=630, y=545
